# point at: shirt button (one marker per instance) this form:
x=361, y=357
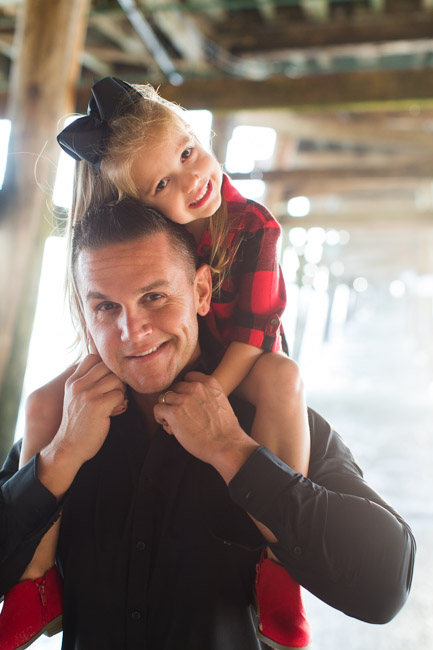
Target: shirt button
x=140, y=546
x=274, y=322
x=136, y=615
x=297, y=550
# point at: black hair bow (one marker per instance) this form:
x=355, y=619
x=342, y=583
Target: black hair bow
x=85, y=138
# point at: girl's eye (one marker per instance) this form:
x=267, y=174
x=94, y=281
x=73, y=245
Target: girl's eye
x=186, y=153
x=162, y=184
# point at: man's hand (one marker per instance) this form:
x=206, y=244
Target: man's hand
x=199, y=415
x=92, y=394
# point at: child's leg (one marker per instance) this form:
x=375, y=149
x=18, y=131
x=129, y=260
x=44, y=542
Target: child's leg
x=44, y=409
x=34, y=605
x=43, y=417
x=274, y=386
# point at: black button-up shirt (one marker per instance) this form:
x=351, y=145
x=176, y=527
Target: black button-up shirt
x=158, y=553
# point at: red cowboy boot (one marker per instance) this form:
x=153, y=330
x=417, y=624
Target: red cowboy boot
x=31, y=608
x=282, y=619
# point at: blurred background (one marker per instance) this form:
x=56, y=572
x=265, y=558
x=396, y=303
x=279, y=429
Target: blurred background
x=323, y=111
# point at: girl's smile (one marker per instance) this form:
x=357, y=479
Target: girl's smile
x=201, y=200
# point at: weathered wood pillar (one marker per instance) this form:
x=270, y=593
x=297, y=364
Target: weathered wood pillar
x=49, y=40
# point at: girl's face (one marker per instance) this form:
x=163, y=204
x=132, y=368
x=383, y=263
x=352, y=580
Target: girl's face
x=179, y=178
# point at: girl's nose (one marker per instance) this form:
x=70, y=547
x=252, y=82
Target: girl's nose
x=191, y=181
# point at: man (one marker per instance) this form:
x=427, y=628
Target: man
x=161, y=530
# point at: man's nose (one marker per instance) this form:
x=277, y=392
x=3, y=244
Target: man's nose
x=135, y=326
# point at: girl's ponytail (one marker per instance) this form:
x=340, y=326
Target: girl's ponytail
x=91, y=190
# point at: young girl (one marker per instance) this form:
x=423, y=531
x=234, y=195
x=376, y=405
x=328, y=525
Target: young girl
x=133, y=142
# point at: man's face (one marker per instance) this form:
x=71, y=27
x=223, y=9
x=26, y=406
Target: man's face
x=141, y=305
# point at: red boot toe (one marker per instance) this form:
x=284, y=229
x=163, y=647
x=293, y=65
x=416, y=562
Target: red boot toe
x=31, y=608
x=283, y=622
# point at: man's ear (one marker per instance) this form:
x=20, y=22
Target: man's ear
x=90, y=343
x=203, y=289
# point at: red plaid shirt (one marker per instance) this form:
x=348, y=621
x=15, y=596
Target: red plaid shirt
x=252, y=299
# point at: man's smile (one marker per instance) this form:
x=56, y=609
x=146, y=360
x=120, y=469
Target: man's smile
x=146, y=353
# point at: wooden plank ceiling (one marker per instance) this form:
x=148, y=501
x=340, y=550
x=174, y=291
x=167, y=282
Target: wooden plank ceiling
x=347, y=84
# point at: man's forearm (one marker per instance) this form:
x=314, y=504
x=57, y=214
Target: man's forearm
x=339, y=540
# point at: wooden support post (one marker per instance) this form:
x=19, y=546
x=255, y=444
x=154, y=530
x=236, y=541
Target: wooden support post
x=49, y=40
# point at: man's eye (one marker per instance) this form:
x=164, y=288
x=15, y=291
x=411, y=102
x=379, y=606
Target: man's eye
x=186, y=153
x=106, y=306
x=152, y=297
x=162, y=184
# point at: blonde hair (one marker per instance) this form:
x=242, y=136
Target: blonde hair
x=139, y=128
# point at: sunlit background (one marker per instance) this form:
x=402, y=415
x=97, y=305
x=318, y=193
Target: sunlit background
x=358, y=321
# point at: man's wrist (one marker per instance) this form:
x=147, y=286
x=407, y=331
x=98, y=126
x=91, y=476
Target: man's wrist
x=56, y=469
x=232, y=457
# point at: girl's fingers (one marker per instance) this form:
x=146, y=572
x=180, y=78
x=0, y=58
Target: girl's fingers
x=118, y=410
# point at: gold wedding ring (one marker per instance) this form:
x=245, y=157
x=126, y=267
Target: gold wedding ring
x=165, y=395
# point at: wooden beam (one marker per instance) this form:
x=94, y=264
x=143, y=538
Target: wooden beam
x=306, y=185
x=363, y=221
x=351, y=90
x=373, y=28
x=355, y=91
x=267, y=10
x=182, y=32
x=357, y=161
x=409, y=174
x=381, y=132
x=338, y=181
x=129, y=47
x=365, y=53
x=113, y=57
x=95, y=64
x=152, y=42
x=50, y=36
x=118, y=30
x=316, y=9
x=214, y=9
